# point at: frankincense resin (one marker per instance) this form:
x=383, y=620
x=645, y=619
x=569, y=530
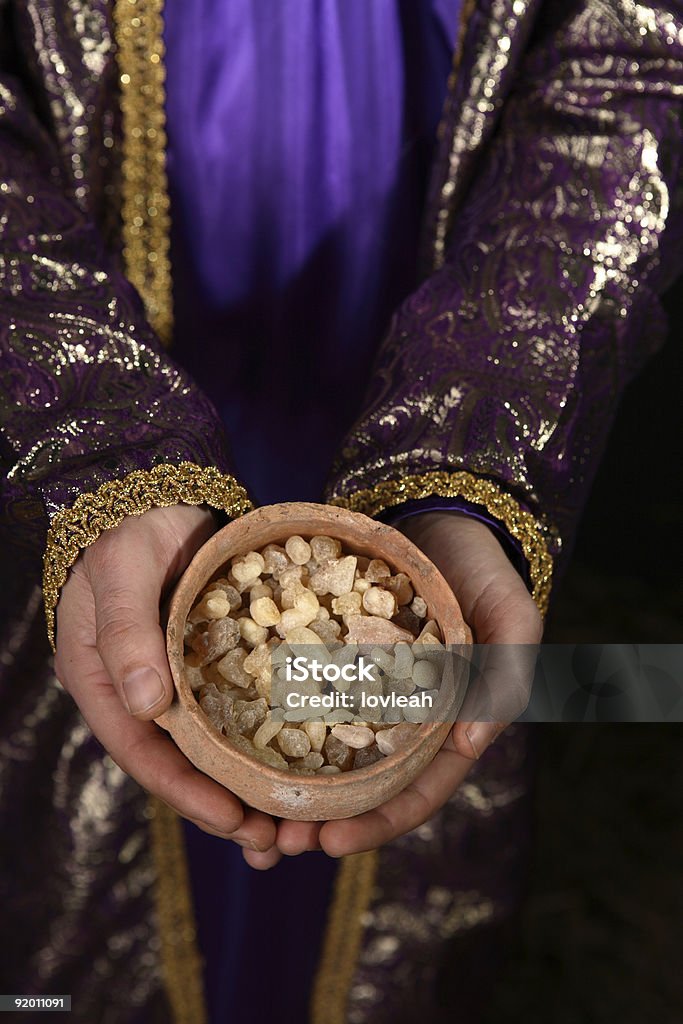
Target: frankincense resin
x=296, y=614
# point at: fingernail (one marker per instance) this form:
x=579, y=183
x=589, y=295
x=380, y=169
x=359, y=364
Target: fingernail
x=481, y=735
x=248, y=844
x=142, y=689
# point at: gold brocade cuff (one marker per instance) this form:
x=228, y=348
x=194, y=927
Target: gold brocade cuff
x=520, y=524
x=74, y=528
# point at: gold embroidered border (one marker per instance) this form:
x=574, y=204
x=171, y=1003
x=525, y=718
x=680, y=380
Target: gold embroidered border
x=343, y=937
x=76, y=527
x=145, y=201
x=502, y=506
x=179, y=953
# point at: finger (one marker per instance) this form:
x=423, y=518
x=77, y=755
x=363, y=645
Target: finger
x=498, y=692
x=257, y=831
x=422, y=798
x=210, y=830
x=150, y=756
x=471, y=739
x=295, y=837
x=516, y=619
x=126, y=578
x=262, y=861
x=493, y=597
x=241, y=837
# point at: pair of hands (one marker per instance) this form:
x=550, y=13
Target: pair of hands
x=111, y=658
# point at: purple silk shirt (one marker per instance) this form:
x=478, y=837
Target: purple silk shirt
x=300, y=140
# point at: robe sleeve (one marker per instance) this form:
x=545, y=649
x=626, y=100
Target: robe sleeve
x=500, y=376
x=96, y=421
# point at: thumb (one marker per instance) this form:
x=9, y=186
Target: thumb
x=126, y=576
x=501, y=675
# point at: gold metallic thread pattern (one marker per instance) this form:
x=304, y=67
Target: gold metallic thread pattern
x=343, y=937
x=474, y=117
x=179, y=953
x=145, y=201
x=520, y=524
x=74, y=528
x=423, y=906
x=80, y=905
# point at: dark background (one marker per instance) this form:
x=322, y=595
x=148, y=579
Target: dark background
x=625, y=581
x=600, y=935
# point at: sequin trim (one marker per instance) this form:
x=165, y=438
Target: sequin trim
x=145, y=207
x=179, y=954
x=74, y=528
x=519, y=523
x=343, y=937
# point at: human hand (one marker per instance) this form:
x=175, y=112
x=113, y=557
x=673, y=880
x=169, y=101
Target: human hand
x=111, y=658
x=497, y=606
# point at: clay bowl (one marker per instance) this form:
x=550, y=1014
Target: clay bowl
x=289, y=794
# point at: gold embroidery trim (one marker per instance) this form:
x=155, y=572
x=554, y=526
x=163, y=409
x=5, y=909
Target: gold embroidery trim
x=76, y=527
x=145, y=207
x=343, y=937
x=179, y=953
x=520, y=524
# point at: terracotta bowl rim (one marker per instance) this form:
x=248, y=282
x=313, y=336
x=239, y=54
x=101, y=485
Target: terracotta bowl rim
x=181, y=604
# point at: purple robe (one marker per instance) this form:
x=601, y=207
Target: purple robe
x=553, y=226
